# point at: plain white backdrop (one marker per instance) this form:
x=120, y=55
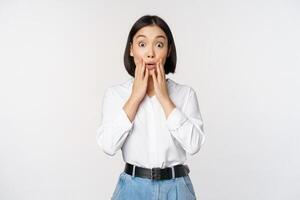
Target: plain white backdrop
x=57, y=57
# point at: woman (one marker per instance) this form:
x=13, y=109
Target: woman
x=152, y=119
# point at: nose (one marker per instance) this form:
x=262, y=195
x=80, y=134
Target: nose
x=150, y=53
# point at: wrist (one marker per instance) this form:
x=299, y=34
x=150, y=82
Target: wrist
x=134, y=100
x=167, y=102
x=168, y=106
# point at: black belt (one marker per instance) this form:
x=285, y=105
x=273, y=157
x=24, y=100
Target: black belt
x=157, y=173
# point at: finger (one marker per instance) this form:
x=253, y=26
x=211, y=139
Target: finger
x=154, y=78
x=139, y=67
x=162, y=68
x=136, y=68
x=159, y=75
x=143, y=69
x=146, y=75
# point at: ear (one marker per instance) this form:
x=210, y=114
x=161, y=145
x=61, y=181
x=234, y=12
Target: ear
x=131, y=54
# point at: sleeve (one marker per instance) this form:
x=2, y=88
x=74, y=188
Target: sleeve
x=186, y=125
x=115, y=124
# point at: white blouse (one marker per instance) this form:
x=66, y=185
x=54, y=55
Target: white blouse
x=151, y=140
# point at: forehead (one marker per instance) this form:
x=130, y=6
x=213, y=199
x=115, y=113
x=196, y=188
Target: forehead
x=150, y=32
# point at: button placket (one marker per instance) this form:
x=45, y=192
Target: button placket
x=153, y=130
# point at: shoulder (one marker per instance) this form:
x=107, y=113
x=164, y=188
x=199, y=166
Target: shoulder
x=120, y=89
x=179, y=88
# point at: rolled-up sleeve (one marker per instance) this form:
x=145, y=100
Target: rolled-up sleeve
x=186, y=125
x=115, y=124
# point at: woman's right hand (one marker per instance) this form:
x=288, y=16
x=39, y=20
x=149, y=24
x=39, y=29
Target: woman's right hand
x=140, y=82
x=139, y=89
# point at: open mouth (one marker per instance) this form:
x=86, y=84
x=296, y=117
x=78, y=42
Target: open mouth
x=150, y=65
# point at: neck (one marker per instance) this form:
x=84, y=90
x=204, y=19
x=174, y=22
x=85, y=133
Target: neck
x=150, y=85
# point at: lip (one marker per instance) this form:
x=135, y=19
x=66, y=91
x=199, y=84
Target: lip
x=150, y=65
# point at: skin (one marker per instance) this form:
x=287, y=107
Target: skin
x=150, y=45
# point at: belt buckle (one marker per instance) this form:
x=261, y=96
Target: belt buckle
x=155, y=173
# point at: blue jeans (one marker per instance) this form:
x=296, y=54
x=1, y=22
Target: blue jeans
x=136, y=188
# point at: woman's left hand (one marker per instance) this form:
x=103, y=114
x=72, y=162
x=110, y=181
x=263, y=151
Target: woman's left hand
x=161, y=88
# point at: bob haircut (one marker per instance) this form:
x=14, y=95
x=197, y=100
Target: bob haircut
x=146, y=20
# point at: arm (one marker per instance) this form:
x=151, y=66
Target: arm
x=131, y=107
x=117, y=120
x=115, y=125
x=186, y=125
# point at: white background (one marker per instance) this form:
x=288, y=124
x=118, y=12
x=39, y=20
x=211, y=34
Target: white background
x=56, y=59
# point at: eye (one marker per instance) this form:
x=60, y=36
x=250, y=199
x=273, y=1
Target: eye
x=141, y=44
x=160, y=44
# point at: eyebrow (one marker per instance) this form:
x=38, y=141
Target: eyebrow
x=159, y=36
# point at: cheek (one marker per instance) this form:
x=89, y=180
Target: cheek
x=164, y=58
x=163, y=55
x=137, y=51
x=137, y=55
x=137, y=59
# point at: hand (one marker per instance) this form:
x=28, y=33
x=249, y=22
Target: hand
x=161, y=88
x=139, y=89
x=140, y=82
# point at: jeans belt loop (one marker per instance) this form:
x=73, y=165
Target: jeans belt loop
x=173, y=172
x=133, y=171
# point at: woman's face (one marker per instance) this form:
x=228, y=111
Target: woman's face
x=150, y=44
